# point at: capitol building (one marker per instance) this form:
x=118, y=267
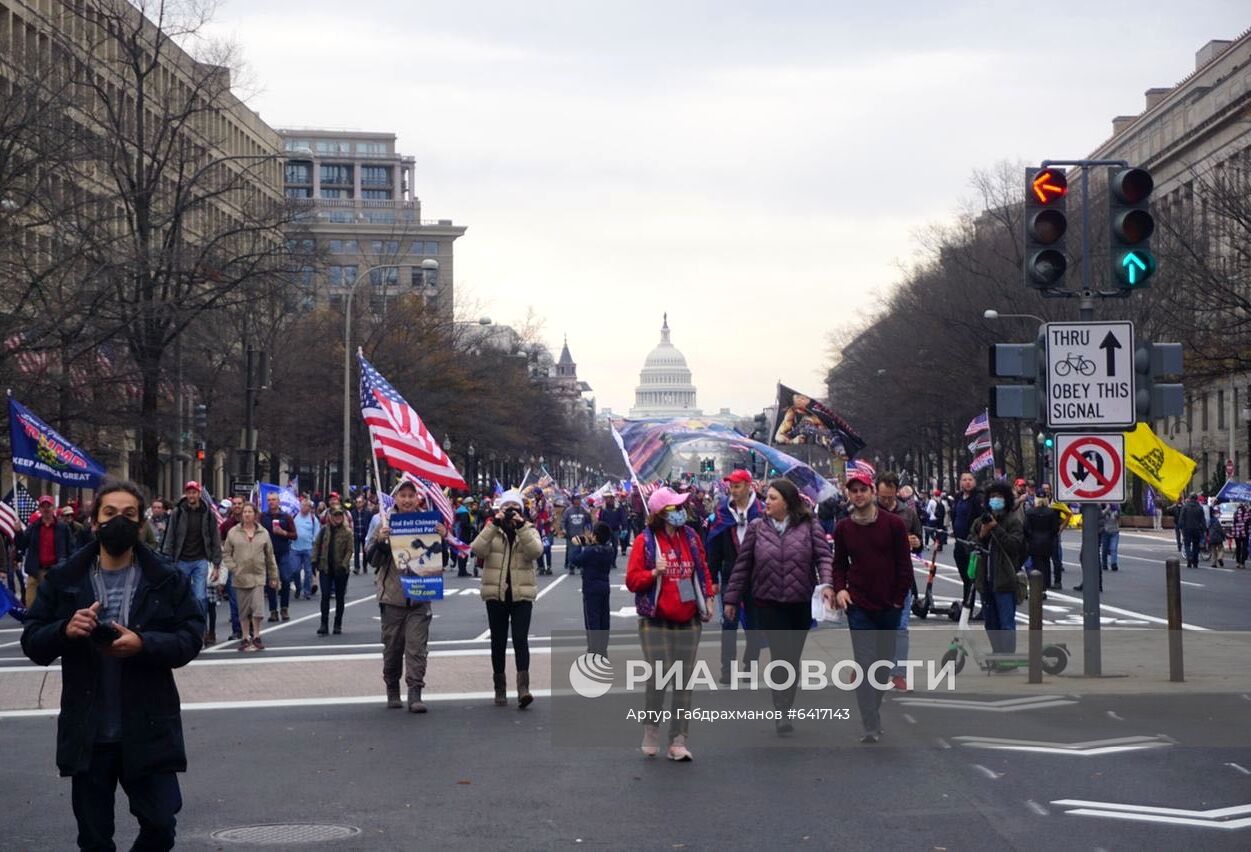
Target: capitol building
x=665, y=388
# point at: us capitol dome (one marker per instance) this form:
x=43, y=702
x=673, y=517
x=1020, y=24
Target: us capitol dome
x=665, y=388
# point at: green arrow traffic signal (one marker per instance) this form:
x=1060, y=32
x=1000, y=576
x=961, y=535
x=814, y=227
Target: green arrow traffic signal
x=1135, y=267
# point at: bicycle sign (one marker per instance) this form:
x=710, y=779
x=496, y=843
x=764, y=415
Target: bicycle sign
x=1090, y=374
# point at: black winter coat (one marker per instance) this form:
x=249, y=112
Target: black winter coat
x=168, y=619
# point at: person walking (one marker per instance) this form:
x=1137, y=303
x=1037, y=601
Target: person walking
x=1194, y=524
x=735, y=512
x=782, y=556
x=332, y=557
x=306, y=528
x=463, y=529
x=508, y=546
x=1216, y=539
x=47, y=542
x=896, y=500
x=966, y=508
x=362, y=516
x=1241, y=533
x=192, y=542
x=1002, y=532
x=616, y=518
x=405, y=622
x=543, y=523
x=673, y=595
x=596, y=558
x=1109, y=535
x=575, y=523
x=281, y=529
x=120, y=619
x=248, y=554
x=870, y=577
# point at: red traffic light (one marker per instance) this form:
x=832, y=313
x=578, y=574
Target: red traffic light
x=199, y=455
x=1048, y=185
x=1132, y=186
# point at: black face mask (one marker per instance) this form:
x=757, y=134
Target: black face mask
x=118, y=535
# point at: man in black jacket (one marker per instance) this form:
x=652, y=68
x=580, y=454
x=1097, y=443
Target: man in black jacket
x=46, y=542
x=729, y=526
x=120, y=619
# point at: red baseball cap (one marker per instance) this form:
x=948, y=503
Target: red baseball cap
x=192, y=485
x=334, y=493
x=861, y=476
x=1021, y=482
x=739, y=475
x=45, y=500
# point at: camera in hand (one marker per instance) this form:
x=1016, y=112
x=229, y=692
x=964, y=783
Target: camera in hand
x=987, y=517
x=105, y=634
x=510, y=517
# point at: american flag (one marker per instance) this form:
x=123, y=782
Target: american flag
x=980, y=443
x=207, y=498
x=861, y=467
x=30, y=361
x=398, y=436
x=978, y=425
x=10, y=523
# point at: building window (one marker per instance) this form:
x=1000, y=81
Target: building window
x=342, y=217
x=300, y=246
x=380, y=217
x=379, y=247
x=371, y=148
x=1220, y=409
x=376, y=194
x=427, y=249
x=1204, y=413
x=299, y=172
x=343, y=247
x=329, y=146
x=296, y=144
x=425, y=278
x=376, y=175
x=390, y=276
x=335, y=193
x=299, y=192
x=336, y=174
x=341, y=276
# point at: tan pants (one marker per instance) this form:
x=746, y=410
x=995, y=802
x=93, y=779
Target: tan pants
x=405, y=637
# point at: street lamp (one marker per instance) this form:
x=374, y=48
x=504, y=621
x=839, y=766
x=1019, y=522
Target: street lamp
x=347, y=374
x=992, y=314
x=473, y=470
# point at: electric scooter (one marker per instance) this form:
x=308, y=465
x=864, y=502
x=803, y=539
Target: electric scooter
x=1055, y=656
x=923, y=607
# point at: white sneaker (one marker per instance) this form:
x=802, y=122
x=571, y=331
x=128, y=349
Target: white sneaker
x=651, y=740
x=678, y=750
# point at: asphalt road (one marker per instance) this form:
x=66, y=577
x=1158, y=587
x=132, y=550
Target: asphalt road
x=1136, y=770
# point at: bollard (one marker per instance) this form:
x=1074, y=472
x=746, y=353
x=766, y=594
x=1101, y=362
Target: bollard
x=1172, y=592
x=1035, y=626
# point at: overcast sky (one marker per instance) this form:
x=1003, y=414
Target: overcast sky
x=756, y=169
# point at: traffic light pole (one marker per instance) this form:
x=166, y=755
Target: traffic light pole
x=1092, y=643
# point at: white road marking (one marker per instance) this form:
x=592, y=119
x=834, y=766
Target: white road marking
x=1215, y=818
x=1196, y=585
x=1112, y=714
x=1241, y=769
x=1092, y=748
x=908, y=718
x=1007, y=705
x=989, y=773
x=11, y=644
x=1036, y=808
x=292, y=702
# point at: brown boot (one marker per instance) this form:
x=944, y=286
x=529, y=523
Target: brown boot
x=524, y=698
x=501, y=690
x=285, y=616
x=273, y=615
x=210, y=639
x=414, y=702
x=393, y=697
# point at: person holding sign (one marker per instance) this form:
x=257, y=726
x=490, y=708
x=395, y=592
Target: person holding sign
x=405, y=617
x=509, y=546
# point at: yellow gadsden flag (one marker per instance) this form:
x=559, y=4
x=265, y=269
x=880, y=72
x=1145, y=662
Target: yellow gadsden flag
x=1156, y=463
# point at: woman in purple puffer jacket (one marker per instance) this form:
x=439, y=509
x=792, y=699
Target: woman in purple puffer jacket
x=779, y=561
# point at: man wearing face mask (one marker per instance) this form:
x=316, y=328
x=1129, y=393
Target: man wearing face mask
x=120, y=619
x=1002, y=532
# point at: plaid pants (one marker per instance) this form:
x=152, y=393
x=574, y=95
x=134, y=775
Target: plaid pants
x=666, y=643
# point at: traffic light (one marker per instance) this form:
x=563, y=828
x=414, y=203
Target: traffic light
x=1153, y=400
x=201, y=418
x=1019, y=361
x=1046, y=220
x=1131, y=225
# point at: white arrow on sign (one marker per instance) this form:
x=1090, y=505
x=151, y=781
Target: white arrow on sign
x=1215, y=818
x=1006, y=705
x=1087, y=749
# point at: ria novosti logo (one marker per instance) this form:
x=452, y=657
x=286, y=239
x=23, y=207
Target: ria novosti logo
x=590, y=675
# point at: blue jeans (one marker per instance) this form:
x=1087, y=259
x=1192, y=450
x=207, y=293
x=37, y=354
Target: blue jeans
x=283, y=595
x=1107, y=548
x=1000, y=613
x=197, y=571
x=873, y=637
x=234, y=606
x=901, y=639
x=302, y=571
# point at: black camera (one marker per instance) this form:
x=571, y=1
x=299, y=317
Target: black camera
x=105, y=634
x=987, y=517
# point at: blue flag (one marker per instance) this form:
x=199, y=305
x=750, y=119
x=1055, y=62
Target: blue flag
x=286, y=500
x=40, y=452
x=10, y=605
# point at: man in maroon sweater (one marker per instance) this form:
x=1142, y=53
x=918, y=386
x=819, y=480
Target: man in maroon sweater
x=871, y=576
